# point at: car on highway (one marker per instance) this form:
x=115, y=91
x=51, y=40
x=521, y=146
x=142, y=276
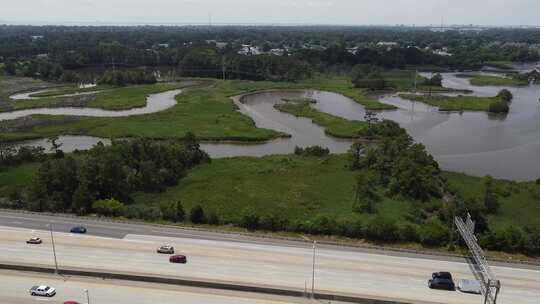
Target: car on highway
x=469, y=286
x=442, y=284
x=42, y=290
x=442, y=275
x=181, y=259
x=34, y=240
x=78, y=229
x=166, y=249
x=71, y=302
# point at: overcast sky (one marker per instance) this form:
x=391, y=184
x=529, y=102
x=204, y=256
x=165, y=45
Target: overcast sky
x=358, y=12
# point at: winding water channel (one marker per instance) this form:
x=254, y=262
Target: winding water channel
x=476, y=143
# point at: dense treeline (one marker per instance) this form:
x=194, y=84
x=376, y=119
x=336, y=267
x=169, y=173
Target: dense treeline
x=305, y=49
x=74, y=182
x=122, y=78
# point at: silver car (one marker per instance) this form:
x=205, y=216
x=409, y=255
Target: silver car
x=42, y=290
x=166, y=249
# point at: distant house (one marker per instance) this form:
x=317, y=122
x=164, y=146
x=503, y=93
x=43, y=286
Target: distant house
x=248, y=50
x=42, y=56
x=387, y=43
x=163, y=45
x=36, y=37
x=277, y=52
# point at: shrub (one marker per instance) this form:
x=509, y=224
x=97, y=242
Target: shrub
x=499, y=107
x=249, y=219
x=408, y=233
x=433, y=233
x=382, y=229
x=316, y=151
x=197, y=215
x=173, y=212
x=213, y=218
x=505, y=95
x=273, y=222
x=108, y=207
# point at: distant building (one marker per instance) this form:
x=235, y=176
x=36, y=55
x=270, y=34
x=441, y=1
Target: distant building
x=248, y=50
x=42, y=56
x=386, y=43
x=163, y=45
x=36, y=37
x=277, y=52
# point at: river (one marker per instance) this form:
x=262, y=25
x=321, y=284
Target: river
x=475, y=143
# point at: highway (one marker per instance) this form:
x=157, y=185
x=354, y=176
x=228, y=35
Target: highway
x=248, y=260
x=15, y=285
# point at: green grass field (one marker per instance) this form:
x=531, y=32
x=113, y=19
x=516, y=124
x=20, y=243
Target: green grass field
x=486, y=80
x=334, y=126
x=293, y=186
x=454, y=103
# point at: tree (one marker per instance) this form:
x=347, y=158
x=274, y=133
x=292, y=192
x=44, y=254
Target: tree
x=55, y=145
x=249, y=219
x=10, y=67
x=435, y=80
x=197, y=215
x=505, y=95
x=108, y=207
x=365, y=192
x=433, y=233
x=491, y=201
x=173, y=212
x=382, y=229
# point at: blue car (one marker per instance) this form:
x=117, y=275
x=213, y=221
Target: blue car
x=78, y=229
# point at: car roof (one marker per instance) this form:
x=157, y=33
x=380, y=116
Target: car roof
x=42, y=286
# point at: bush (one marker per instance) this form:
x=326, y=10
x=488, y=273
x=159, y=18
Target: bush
x=108, y=207
x=273, y=223
x=173, y=212
x=505, y=95
x=433, y=233
x=382, y=229
x=499, y=107
x=197, y=215
x=212, y=218
x=249, y=220
x=316, y=151
x=408, y=233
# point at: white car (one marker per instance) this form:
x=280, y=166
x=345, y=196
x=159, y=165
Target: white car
x=167, y=249
x=470, y=286
x=42, y=290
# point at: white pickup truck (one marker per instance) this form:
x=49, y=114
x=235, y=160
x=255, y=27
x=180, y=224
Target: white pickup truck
x=43, y=290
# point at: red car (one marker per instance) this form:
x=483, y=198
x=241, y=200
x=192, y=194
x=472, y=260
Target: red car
x=178, y=259
x=71, y=302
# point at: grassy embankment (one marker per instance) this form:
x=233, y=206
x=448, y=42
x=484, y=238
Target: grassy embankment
x=454, y=103
x=487, y=80
x=334, y=126
x=301, y=188
x=205, y=110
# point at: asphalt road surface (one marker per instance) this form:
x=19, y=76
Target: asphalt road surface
x=234, y=258
x=14, y=290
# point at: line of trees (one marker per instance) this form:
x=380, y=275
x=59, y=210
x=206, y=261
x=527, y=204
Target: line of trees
x=75, y=182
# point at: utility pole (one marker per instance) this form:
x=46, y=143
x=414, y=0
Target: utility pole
x=313, y=271
x=54, y=249
x=415, y=80
x=87, y=296
x=223, y=67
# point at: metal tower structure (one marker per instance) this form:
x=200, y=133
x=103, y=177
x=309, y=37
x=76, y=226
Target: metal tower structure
x=488, y=282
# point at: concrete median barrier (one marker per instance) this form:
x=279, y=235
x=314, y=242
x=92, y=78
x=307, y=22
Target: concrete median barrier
x=262, y=289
